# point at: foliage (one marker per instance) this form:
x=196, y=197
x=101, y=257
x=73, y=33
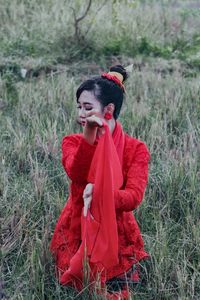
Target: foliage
x=162, y=108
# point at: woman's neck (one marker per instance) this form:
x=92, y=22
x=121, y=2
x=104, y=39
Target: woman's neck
x=111, y=125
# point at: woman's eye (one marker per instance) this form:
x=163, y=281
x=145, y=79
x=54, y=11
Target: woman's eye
x=86, y=108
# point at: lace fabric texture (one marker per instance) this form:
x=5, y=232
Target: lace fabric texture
x=77, y=155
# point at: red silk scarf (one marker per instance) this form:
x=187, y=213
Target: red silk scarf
x=99, y=246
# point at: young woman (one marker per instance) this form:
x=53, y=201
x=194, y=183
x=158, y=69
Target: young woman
x=108, y=171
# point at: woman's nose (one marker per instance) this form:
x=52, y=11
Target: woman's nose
x=82, y=112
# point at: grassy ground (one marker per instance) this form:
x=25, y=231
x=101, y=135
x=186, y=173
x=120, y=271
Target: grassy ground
x=162, y=40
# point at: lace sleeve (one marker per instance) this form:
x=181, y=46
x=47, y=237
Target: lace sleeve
x=130, y=197
x=76, y=157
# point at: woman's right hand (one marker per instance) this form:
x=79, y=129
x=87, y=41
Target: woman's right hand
x=93, y=120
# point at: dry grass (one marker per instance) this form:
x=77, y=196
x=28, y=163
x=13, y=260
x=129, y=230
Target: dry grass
x=162, y=108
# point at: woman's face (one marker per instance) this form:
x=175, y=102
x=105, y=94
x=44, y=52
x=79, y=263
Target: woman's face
x=88, y=104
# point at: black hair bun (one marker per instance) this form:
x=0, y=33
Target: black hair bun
x=120, y=69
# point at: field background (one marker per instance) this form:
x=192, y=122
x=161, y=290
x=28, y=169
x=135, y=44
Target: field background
x=45, y=53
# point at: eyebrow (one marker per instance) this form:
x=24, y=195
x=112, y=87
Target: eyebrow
x=87, y=103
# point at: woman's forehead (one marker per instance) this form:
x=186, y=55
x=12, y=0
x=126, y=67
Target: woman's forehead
x=87, y=97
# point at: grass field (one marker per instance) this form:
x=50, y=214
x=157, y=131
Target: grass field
x=162, y=107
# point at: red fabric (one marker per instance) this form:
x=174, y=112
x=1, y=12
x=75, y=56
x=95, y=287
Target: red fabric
x=99, y=228
x=106, y=174
x=77, y=157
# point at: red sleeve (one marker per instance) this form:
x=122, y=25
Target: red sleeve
x=76, y=157
x=131, y=196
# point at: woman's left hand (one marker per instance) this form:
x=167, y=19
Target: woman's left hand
x=87, y=197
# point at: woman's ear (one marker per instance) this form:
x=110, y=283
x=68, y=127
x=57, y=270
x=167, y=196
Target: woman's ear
x=110, y=108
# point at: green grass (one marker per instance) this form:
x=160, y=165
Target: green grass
x=162, y=108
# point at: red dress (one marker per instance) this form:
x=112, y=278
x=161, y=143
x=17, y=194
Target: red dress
x=77, y=155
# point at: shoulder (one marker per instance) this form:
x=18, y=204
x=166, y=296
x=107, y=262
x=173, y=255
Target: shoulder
x=70, y=142
x=72, y=139
x=77, y=141
x=135, y=148
x=134, y=143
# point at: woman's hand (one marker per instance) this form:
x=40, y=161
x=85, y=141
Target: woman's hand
x=94, y=121
x=87, y=197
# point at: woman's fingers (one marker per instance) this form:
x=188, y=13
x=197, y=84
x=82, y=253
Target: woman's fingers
x=87, y=202
x=92, y=113
x=87, y=197
x=94, y=121
x=88, y=190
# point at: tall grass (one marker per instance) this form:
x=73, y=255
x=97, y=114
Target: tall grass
x=44, y=31
x=162, y=108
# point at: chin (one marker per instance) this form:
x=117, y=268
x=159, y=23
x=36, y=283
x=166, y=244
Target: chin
x=81, y=123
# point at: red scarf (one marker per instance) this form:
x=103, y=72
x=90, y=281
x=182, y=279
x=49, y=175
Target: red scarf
x=99, y=228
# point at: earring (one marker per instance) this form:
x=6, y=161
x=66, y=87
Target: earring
x=107, y=116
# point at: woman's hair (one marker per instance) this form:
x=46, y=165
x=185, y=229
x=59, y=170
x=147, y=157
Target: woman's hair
x=106, y=91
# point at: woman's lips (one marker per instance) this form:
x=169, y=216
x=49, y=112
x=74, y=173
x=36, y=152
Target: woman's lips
x=81, y=122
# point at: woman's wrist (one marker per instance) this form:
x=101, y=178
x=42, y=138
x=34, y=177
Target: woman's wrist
x=89, y=133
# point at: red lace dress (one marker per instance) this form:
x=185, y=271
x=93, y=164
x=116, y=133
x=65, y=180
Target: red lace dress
x=76, y=159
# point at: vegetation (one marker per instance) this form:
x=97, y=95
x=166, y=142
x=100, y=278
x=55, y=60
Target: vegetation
x=45, y=54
